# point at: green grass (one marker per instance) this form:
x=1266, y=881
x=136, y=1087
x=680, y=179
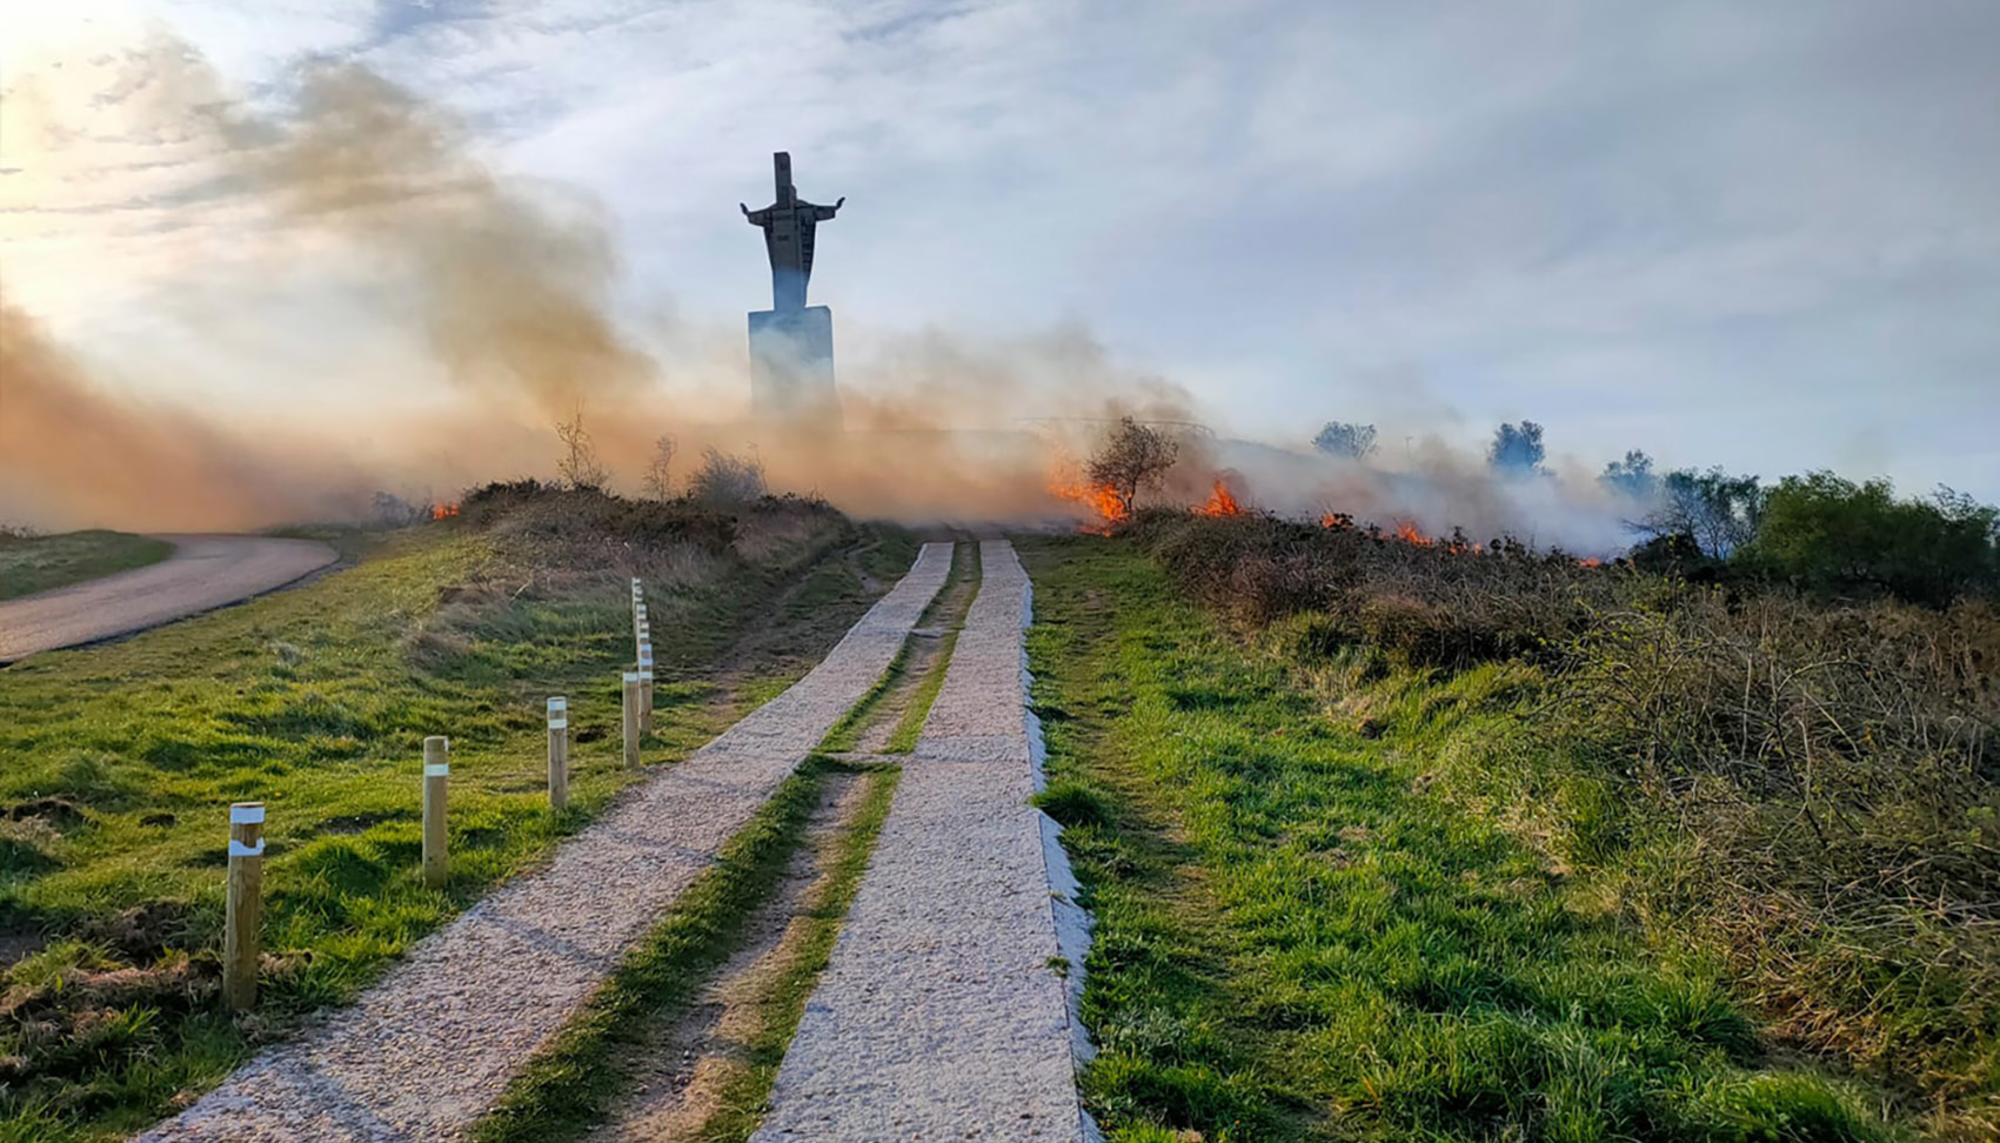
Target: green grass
x=845, y=737
x=1298, y=939
x=910, y=727
x=122, y=760
x=29, y=564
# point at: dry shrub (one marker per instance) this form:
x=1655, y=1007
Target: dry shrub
x=725, y=481
x=781, y=528
x=1442, y=605
x=560, y=551
x=1835, y=777
x=586, y=525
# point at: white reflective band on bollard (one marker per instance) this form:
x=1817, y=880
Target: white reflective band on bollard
x=245, y=815
x=436, y=769
x=238, y=849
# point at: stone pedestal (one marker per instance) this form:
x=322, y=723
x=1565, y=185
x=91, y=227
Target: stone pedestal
x=791, y=365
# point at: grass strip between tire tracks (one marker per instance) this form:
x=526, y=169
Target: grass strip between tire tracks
x=903, y=740
x=572, y=1085
x=743, y=1100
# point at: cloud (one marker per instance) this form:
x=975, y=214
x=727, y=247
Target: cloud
x=1730, y=234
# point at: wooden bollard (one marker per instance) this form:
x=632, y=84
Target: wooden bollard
x=558, y=753
x=646, y=687
x=631, y=720
x=243, y=909
x=437, y=771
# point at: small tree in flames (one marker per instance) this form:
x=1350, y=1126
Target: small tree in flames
x=1133, y=458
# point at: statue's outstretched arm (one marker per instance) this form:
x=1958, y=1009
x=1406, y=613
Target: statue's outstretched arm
x=755, y=217
x=822, y=213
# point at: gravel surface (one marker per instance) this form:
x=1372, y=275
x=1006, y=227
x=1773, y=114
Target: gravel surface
x=205, y=572
x=427, y=1051
x=942, y=1013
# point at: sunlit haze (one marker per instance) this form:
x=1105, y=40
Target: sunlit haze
x=1761, y=236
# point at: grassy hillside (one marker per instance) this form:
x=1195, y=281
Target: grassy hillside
x=122, y=760
x=1344, y=891
x=29, y=564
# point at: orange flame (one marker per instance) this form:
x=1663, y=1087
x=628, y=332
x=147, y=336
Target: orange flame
x=443, y=511
x=1099, y=498
x=1221, y=502
x=1408, y=533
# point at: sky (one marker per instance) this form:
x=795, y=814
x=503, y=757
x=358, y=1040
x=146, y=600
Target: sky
x=1761, y=236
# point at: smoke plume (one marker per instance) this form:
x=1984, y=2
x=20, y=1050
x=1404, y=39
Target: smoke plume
x=506, y=286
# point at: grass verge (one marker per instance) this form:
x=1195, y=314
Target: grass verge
x=1298, y=939
x=29, y=564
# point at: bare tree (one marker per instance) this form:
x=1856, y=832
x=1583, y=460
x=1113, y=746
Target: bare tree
x=1134, y=457
x=579, y=466
x=658, y=480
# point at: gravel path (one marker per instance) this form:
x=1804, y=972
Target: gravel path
x=429, y=1049
x=205, y=572
x=943, y=1013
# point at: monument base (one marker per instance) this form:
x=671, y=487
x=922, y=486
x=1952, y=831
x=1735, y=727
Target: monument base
x=791, y=365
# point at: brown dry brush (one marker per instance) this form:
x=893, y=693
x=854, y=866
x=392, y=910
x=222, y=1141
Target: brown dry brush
x=1834, y=775
x=1450, y=604
x=555, y=542
x=1813, y=787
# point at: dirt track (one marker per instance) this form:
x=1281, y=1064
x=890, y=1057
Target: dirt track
x=205, y=572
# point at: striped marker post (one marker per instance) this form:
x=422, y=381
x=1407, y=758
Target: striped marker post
x=558, y=753
x=638, y=609
x=631, y=711
x=646, y=687
x=243, y=911
x=642, y=629
x=437, y=771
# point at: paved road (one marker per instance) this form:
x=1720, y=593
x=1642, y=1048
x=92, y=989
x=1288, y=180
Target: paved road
x=204, y=572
